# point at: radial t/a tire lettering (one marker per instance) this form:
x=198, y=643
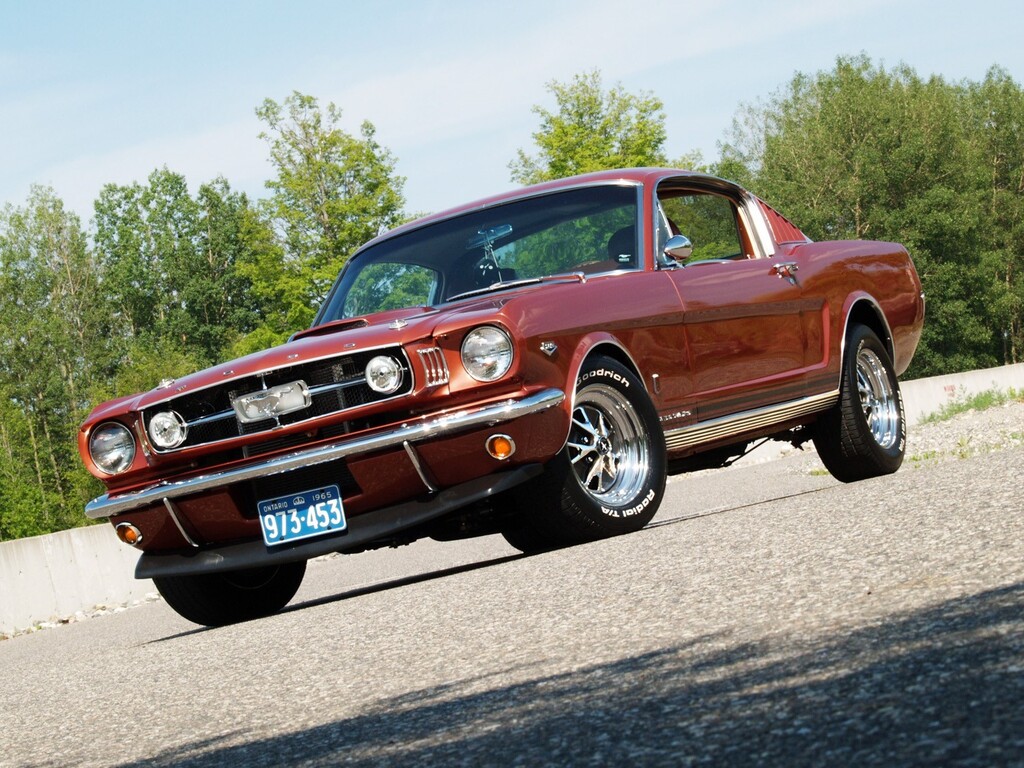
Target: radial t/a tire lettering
x=609, y=478
x=865, y=434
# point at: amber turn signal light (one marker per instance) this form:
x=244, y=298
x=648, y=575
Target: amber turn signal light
x=129, y=534
x=500, y=447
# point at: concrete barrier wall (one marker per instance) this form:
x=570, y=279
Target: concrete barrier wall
x=48, y=577
x=924, y=396
x=58, y=575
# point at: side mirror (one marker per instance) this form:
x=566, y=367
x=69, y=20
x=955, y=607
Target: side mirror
x=679, y=248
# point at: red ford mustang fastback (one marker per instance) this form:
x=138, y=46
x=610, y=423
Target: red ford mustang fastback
x=533, y=364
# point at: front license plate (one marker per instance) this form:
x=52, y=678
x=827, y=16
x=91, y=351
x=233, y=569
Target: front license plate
x=302, y=515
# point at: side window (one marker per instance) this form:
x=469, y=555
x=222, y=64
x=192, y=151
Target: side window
x=710, y=221
x=390, y=285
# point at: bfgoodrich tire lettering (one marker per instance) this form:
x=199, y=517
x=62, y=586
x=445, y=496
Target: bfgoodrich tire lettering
x=608, y=479
x=216, y=599
x=865, y=434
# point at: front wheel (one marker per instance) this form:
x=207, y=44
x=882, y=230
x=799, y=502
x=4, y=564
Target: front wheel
x=608, y=479
x=865, y=434
x=216, y=599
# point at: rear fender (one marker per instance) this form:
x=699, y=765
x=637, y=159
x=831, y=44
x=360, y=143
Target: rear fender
x=862, y=308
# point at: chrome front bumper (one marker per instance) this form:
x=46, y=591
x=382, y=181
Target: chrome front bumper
x=426, y=428
x=364, y=530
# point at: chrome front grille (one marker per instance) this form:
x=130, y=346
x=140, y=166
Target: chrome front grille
x=335, y=384
x=435, y=366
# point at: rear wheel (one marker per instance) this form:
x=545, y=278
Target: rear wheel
x=610, y=476
x=216, y=599
x=865, y=434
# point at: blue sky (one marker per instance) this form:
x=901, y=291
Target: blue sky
x=98, y=92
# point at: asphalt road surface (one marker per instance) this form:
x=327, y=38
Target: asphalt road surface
x=768, y=616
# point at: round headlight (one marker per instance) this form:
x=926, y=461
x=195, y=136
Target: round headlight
x=112, y=448
x=487, y=353
x=167, y=430
x=384, y=374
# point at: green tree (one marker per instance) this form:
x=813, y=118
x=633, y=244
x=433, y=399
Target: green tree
x=996, y=130
x=591, y=130
x=215, y=306
x=170, y=264
x=52, y=323
x=332, y=192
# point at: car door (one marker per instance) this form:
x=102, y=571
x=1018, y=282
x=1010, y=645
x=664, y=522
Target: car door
x=743, y=325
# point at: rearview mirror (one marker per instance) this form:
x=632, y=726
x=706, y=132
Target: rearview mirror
x=490, y=236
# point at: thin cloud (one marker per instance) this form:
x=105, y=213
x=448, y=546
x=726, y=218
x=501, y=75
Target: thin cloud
x=472, y=96
x=500, y=78
x=231, y=150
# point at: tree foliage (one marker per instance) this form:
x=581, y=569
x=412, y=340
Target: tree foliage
x=592, y=130
x=332, y=192
x=170, y=263
x=51, y=315
x=996, y=126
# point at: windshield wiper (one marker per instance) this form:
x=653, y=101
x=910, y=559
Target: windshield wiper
x=499, y=286
x=495, y=287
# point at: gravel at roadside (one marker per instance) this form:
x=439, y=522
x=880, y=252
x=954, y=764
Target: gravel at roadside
x=969, y=433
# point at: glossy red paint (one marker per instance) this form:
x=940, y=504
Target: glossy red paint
x=709, y=341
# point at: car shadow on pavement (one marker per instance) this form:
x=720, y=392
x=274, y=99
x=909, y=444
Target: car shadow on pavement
x=440, y=574
x=369, y=589
x=404, y=581
x=943, y=685
x=658, y=522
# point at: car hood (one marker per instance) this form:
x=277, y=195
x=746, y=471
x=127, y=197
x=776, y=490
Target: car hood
x=350, y=335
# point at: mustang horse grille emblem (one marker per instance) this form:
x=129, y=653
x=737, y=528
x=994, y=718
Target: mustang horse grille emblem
x=271, y=403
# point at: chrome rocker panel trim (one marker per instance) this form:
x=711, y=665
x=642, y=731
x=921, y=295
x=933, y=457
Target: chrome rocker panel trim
x=429, y=427
x=727, y=426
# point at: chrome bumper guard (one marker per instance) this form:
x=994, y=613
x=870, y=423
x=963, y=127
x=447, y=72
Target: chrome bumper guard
x=428, y=427
x=364, y=530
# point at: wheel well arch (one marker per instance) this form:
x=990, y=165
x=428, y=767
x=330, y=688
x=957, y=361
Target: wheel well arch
x=865, y=311
x=617, y=353
x=594, y=345
x=605, y=345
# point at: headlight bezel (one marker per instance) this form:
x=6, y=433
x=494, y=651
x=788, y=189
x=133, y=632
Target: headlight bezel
x=153, y=430
x=374, y=381
x=487, y=353
x=111, y=431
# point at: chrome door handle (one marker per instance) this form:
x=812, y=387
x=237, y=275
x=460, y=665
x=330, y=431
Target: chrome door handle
x=787, y=270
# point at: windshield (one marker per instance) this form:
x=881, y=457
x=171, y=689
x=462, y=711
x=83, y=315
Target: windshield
x=590, y=229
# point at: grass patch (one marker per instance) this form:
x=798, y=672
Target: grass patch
x=963, y=447
x=981, y=401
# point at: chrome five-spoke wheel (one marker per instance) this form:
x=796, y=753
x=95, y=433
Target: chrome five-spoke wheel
x=881, y=409
x=608, y=446
x=610, y=477
x=864, y=434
